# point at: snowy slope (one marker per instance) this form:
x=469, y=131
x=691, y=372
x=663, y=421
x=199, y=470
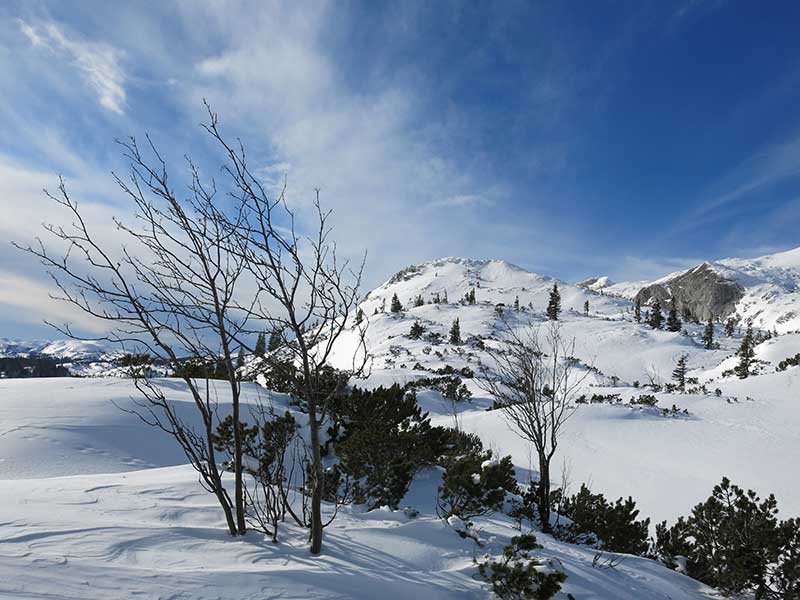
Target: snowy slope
x=100, y=505
x=153, y=533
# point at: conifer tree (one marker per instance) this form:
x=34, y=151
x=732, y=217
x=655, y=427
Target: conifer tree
x=516, y=304
x=455, y=332
x=261, y=345
x=673, y=322
x=274, y=340
x=396, y=307
x=679, y=374
x=418, y=301
x=746, y=354
x=444, y=297
x=708, y=335
x=359, y=316
x=637, y=310
x=471, y=294
x=416, y=330
x=554, y=305
x=586, y=308
x=655, y=319
x=436, y=299
x=240, y=359
x=730, y=325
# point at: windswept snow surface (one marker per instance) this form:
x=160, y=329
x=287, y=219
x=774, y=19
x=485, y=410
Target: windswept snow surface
x=153, y=532
x=98, y=505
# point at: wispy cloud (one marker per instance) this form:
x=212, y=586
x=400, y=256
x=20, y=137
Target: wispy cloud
x=97, y=63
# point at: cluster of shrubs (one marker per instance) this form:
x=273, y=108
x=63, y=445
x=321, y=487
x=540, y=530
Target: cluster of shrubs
x=450, y=386
x=791, y=361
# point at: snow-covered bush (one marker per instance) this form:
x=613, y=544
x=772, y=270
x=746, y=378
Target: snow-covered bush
x=734, y=542
x=614, y=526
x=475, y=484
x=518, y=575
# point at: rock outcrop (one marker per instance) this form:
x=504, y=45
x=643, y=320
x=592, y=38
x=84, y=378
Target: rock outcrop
x=702, y=291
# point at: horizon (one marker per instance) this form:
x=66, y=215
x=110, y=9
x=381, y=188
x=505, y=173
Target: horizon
x=627, y=141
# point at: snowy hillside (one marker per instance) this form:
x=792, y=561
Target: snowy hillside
x=90, y=489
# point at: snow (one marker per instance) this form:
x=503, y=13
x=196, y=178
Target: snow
x=98, y=505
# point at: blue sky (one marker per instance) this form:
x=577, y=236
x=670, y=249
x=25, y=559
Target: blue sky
x=571, y=138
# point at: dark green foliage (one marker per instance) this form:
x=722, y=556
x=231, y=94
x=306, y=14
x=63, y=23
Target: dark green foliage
x=656, y=319
x=395, y=306
x=708, y=335
x=382, y=438
x=586, y=308
x=791, y=361
x=455, y=332
x=418, y=301
x=644, y=400
x=730, y=326
x=615, y=525
x=784, y=576
x=261, y=345
x=474, y=485
x=515, y=576
x=516, y=303
x=673, y=322
x=450, y=386
x=275, y=340
x=417, y=329
x=679, y=373
x=21, y=367
x=554, y=303
x=469, y=297
x=637, y=310
x=199, y=368
x=746, y=354
x=730, y=541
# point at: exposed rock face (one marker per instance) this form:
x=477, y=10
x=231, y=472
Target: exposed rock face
x=701, y=290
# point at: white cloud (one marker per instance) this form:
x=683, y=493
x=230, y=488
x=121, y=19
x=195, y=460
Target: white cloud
x=98, y=63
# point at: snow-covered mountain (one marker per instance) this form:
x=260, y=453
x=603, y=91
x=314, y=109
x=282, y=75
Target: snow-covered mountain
x=764, y=291
x=61, y=350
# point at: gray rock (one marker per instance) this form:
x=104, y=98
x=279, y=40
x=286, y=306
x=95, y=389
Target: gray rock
x=701, y=290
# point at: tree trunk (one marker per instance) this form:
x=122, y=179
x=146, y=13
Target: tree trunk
x=241, y=526
x=316, y=493
x=544, y=493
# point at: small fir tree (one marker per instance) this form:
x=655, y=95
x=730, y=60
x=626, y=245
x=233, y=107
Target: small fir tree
x=261, y=345
x=455, y=332
x=673, y=322
x=708, y=335
x=679, y=374
x=746, y=354
x=637, y=310
x=274, y=340
x=417, y=330
x=554, y=305
x=655, y=319
x=586, y=308
x=516, y=304
x=730, y=326
x=396, y=307
x=418, y=301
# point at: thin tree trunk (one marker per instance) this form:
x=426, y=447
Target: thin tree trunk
x=316, y=492
x=544, y=493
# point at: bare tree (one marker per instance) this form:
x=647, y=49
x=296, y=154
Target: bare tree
x=178, y=292
x=534, y=385
x=304, y=292
x=169, y=289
